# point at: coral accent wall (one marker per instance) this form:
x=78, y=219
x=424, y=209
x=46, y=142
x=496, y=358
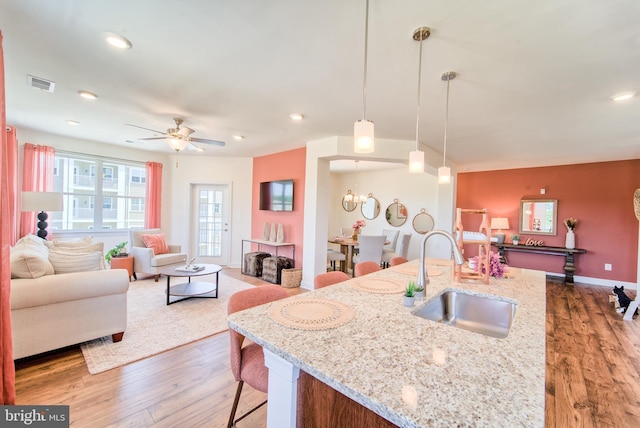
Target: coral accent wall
x=281, y=166
x=599, y=195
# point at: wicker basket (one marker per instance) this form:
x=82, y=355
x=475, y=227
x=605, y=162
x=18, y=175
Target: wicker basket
x=291, y=278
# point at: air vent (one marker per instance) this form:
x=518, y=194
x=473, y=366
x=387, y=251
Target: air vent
x=40, y=83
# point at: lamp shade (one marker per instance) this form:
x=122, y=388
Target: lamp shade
x=177, y=144
x=363, y=134
x=444, y=175
x=416, y=161
x=41, y=201
x=499, y=223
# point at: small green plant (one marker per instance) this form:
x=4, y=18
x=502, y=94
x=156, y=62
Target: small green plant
x=410, y=291
x=115, y=251
x=515, y=237
x=418, y=288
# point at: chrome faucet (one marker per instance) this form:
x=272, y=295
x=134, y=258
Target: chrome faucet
x=423, y=276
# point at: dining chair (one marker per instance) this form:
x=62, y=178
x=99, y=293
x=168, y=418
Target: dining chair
x=398, y=260
x=402, y=249
x=365, y=268
x=329, y=278
x=247, y=362
x=334, y=256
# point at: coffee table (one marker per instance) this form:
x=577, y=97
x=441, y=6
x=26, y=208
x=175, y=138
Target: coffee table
x=191, y=289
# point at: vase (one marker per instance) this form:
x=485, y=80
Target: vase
x=570, y=240
x=419, y=295
x=356, y=232
x=408, y=301
x=280, y=233
x=515, y=242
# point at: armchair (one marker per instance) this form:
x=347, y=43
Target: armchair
x=145, y=260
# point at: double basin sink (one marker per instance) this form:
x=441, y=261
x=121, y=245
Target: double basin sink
x=491, y=316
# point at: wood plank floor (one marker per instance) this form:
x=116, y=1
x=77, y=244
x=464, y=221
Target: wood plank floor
x=592, y=379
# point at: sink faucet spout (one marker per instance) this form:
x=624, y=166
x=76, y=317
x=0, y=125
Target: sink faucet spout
x=423, y=275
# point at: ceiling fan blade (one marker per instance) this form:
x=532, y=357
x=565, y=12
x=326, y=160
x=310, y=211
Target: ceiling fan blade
x=153, y=138
x=205, y=141
x=142, y=127
x=185, y=132
x=192, y=146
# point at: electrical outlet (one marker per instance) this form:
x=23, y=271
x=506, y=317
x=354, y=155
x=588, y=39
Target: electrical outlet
x=607, y=266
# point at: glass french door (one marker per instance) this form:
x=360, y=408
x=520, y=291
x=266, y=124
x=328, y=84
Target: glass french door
x=210, y=231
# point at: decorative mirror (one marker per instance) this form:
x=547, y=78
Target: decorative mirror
x=538, y=216
x=396, y=214
x=349, y=201
x=370, y=208
x=423, y=222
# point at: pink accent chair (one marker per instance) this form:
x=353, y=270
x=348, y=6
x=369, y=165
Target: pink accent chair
x=395, y=261
x=247, y=362
x=330, y=278
x=365, y=268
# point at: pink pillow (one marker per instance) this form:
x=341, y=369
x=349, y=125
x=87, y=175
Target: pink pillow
x=156, y=242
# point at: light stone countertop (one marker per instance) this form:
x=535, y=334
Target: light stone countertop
x=416, y=372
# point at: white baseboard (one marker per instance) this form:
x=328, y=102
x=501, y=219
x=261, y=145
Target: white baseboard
x=598, y=281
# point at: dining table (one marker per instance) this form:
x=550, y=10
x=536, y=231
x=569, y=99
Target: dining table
x=346, y=248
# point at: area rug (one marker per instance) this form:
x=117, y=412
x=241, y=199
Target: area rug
x=154, y=327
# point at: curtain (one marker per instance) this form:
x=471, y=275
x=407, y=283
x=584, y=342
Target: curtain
x=37, y=176
x=7, y=369
x=152, y=215
x=10, y=162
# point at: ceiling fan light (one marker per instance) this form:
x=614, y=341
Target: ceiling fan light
x=177, y=144
x=444, y=175
x=363, y=134
x=416, y=161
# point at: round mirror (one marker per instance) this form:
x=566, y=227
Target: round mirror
x=396, y=214
x=370, y=208
x=349, y=201
x=423, y=222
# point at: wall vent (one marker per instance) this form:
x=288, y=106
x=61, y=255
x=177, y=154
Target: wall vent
x=40, y=83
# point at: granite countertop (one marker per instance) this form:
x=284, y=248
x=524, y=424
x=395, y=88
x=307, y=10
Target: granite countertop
x=416, y=372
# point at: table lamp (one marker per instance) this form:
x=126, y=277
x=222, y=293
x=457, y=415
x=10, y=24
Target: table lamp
x=40, y=202
x=500, y=223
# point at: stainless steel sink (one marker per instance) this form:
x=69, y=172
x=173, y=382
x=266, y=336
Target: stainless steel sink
x=491, y=316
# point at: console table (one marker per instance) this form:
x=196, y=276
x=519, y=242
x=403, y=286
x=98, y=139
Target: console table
x=569, y=255
x=276, y=245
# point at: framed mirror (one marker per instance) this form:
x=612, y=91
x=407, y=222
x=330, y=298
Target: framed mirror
x=396, y=214
x=349, y=201
x=370, y=208
x=423, y=222
x=538, y=216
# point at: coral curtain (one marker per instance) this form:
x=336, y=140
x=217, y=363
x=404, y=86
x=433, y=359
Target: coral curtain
x=7, y=369
x=37, y=176
x=153, y=209
x=10, y=177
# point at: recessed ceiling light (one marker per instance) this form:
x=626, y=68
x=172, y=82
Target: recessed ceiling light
x=73, y=122
x=117, y=41
x=296, y=116
x=238, y=137
x=622, y=96
x=88, y=95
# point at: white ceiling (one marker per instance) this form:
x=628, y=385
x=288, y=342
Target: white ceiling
x=534, y=84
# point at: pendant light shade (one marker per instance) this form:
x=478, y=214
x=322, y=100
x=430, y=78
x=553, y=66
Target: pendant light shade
x=444, y=172
x=416, y=157
x=363, y=130
x=363, y=133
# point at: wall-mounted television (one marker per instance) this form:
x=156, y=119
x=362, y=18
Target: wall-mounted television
x=276, y=195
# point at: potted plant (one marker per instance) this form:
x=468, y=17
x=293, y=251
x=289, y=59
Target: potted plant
x=410, y=294
x=116, y=251
x=418, y=291
x=515, y=238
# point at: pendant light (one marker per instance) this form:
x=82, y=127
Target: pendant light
x=363, y=130
x=416, y=157
x=444, y=172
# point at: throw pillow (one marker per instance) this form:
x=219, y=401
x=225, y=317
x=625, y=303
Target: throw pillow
x=75, y=243
x=29, y=258
x=65, y=261
x=84, y=245
x=156, y=242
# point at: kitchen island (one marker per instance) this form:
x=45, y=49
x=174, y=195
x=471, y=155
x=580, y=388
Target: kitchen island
x=411, y=371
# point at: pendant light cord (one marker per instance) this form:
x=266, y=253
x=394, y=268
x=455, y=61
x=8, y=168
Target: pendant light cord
x=446, y=124
x=418, y=100
x=366, y=45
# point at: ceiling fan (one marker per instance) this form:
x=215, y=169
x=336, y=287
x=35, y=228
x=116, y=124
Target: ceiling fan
x=179, y=138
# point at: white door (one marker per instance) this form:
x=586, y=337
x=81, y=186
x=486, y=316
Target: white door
x=210, y=228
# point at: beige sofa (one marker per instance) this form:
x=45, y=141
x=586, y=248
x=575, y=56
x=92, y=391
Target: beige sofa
x=145, y=260
x=54, y=311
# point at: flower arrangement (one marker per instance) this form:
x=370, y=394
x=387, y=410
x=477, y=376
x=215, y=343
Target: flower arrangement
x=359, y=224
x=571, y=223
x=496, y=269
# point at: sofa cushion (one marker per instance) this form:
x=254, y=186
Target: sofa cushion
x=85, y=245
x=74, y=243
x=168, y=259
x=69, y=261
x=29, y=258
x=156, y=242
